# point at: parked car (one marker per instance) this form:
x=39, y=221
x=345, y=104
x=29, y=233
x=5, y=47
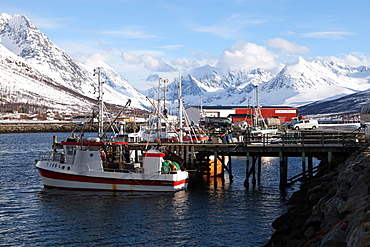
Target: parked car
x=286, y=125
x=216, y=123
x=306, y=124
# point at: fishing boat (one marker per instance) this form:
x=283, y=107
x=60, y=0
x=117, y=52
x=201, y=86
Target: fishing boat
x=102, y=163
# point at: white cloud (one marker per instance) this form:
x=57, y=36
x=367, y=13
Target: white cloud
x=355, y=59
x=185, y=63
x=245, y=55
x=285, y=46
x=172, y=47
x=327, y=35
x=322, y=35
x=131, y=58
x=131, y=32
x=230, y=27
x=151, y=63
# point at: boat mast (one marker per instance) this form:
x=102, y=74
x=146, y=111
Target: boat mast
x=164, y=97
x=257, y=108
x=159, y=125
x=258, y=111
x=180, y=108
x=98, y=71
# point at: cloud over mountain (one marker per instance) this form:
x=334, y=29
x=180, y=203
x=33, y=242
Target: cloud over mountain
x=245, y=55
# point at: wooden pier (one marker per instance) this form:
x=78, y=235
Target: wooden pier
x=307, y=145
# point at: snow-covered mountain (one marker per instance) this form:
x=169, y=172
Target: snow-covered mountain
x=23, y=43
x=305, y=82
x=297, y=84
x=20, y=83
x=205, y=85
x=35, y=71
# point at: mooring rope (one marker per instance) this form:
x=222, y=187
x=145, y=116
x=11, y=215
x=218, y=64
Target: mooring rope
x=327, y=230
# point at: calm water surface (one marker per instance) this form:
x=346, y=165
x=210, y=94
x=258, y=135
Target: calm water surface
x=31, y=215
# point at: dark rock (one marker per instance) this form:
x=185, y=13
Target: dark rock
x=333, y=209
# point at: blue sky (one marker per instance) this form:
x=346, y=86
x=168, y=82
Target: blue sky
x=139, y=38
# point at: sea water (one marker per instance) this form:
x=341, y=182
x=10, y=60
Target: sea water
x=226, y=215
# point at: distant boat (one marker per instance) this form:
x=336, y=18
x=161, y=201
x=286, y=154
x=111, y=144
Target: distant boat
x=338, y=124
x=100, y=163
x=159, y=128
x=260, y=127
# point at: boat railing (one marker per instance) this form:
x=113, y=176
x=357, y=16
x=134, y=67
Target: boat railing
x=51, y=156
x=46, y=155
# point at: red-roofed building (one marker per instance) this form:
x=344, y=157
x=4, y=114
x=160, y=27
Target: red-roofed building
x=242, y=113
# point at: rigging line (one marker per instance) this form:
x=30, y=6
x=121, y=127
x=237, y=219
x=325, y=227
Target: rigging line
x=163, y=117
x=236, y=146
x=115, y=119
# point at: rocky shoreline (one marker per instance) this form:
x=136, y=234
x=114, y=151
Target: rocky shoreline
x=332, y=209
x=54, y=127
x=42, y=127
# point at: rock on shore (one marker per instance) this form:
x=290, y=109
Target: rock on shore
x=332, y=209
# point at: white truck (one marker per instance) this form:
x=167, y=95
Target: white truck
x=306, y=124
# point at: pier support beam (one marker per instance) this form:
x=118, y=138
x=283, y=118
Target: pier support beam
x=192, y=160
x=223, y=170
x=303, y=165
x=283, y=170
x=259, y=169
x=330, y=159
x=207, y=161
x=310, y=166
x=215, y=169
x=254, y=160
x=246, y=182
x=231, y=177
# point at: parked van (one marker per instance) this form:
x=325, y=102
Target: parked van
x=306, y=124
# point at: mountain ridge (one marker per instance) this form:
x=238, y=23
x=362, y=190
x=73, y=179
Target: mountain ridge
x=23, y=39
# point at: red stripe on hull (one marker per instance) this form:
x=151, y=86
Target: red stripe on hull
x=155, y=154
x=86, y=179
x=85, y=143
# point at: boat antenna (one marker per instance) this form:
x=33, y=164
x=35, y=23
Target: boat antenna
x=98, y=71
x=180, y=108
x=159, y=125
x=164, y=96
x=257, y=107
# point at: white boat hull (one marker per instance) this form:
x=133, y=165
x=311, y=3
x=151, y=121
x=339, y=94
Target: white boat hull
x=265, y=131
x=100, y=180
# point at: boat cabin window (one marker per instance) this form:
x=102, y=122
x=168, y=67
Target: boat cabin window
x=69, y=150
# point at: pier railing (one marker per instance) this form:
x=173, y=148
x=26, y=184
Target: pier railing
x=304, y=139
